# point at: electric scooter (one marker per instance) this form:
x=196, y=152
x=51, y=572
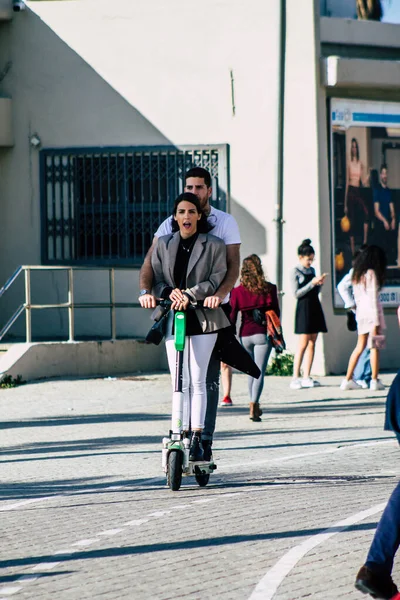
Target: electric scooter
x=176, y=447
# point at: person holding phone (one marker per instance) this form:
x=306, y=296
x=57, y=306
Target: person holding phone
x=368, y=278
x=309, y=319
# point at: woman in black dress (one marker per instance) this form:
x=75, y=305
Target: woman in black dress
x=309, y=319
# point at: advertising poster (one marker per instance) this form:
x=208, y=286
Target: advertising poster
x=365, y=180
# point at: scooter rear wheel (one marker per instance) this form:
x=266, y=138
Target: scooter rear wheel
x=202, y=480
x=174, y=473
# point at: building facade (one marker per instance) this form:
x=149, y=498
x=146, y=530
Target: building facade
x=104, y=105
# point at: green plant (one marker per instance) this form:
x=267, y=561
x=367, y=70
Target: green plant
x=281, y=365
x=8, y=381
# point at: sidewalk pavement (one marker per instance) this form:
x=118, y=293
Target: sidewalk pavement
x=289, y=513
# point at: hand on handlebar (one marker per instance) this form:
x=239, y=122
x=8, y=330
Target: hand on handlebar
x=179, y=300
x=212, y=302
x=147, y=301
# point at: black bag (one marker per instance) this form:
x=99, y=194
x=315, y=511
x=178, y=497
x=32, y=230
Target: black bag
x=159, y=329
x=259, y=317
x=230, y=351
x=351, y=321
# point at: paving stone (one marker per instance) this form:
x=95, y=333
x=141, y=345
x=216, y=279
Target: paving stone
x=86, y=454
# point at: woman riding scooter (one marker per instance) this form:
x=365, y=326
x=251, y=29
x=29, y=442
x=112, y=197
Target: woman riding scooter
x=189, y=266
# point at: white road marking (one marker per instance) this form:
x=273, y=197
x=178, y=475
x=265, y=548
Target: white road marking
x=8, y=591
x=266, y=588
x=270, y=582
x=159, y=513
x=135, y=522
x=25, y=502
x=28, y=578
x=45, y=566
x=85, y=542
x=304, y=455
x=227, y=467
x=110, y=532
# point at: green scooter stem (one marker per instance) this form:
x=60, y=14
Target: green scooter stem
x=180, y=330
x=180, y=333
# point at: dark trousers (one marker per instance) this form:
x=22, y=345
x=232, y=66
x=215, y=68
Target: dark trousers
x=363, y=367
x=387, y=536
x=212, y=385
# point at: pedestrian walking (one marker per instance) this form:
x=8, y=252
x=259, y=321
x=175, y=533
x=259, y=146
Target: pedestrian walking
x=226, y=380
x=198, y=181
x=309, y=318
x=362, y=372
x=367, y=279
x=254, y=293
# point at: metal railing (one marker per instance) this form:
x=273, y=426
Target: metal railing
x=71, y=305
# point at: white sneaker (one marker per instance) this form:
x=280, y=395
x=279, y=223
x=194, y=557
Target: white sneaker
x=376, y=384
x=309, y=382
x=295, y=384
x=349, y=385
x=362, y=383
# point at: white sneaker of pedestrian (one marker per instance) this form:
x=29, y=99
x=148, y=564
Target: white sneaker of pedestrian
x=349, y=385
x=295, y=384
x=362, y=383
x=309, y=382
x=376, y=384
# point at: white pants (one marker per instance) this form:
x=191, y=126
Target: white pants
x=196, y=356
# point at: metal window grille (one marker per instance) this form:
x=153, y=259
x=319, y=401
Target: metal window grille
x=102, y=205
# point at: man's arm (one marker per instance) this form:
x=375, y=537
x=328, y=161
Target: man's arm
x=146, y=278
x=380, y=216
x=233, y=265
x=392, y=215
x=345, y=289
x=232, y=273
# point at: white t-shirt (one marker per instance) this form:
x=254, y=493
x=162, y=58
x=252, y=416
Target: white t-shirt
x=224, y=226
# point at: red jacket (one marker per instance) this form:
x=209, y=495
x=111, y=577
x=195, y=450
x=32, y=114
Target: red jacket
x=244, y=301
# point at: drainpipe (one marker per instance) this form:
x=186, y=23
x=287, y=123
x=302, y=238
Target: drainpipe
x=280, y=146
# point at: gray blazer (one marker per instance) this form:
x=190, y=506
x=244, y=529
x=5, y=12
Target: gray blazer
x=206, y=271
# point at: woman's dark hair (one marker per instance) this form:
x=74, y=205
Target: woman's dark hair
x=252, y=275
x=354, y=141
x=372, y=257
x=203, y=226
x=305, y=248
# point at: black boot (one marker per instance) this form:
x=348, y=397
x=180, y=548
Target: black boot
x=196, y=448
x=207, y=449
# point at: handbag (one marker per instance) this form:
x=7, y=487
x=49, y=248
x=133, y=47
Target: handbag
x=377, y=342
x=159, y=329
x=351, y=321
x=259, y=317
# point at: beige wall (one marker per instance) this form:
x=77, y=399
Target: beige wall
x=306, y=198
x=163, y=76
x=158, y=85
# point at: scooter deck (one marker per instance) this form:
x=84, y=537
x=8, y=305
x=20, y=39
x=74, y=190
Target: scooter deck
x=200, y=468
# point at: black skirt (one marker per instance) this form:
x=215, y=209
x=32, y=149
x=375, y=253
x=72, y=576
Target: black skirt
x=309, y=314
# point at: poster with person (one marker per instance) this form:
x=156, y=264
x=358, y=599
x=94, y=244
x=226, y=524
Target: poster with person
x=365, y=185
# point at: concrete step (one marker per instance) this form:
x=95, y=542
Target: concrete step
x=41, y=360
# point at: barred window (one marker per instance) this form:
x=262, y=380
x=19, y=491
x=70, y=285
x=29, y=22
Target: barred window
x=102, y=205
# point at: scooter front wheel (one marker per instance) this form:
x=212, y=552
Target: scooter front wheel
x=174, y=473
